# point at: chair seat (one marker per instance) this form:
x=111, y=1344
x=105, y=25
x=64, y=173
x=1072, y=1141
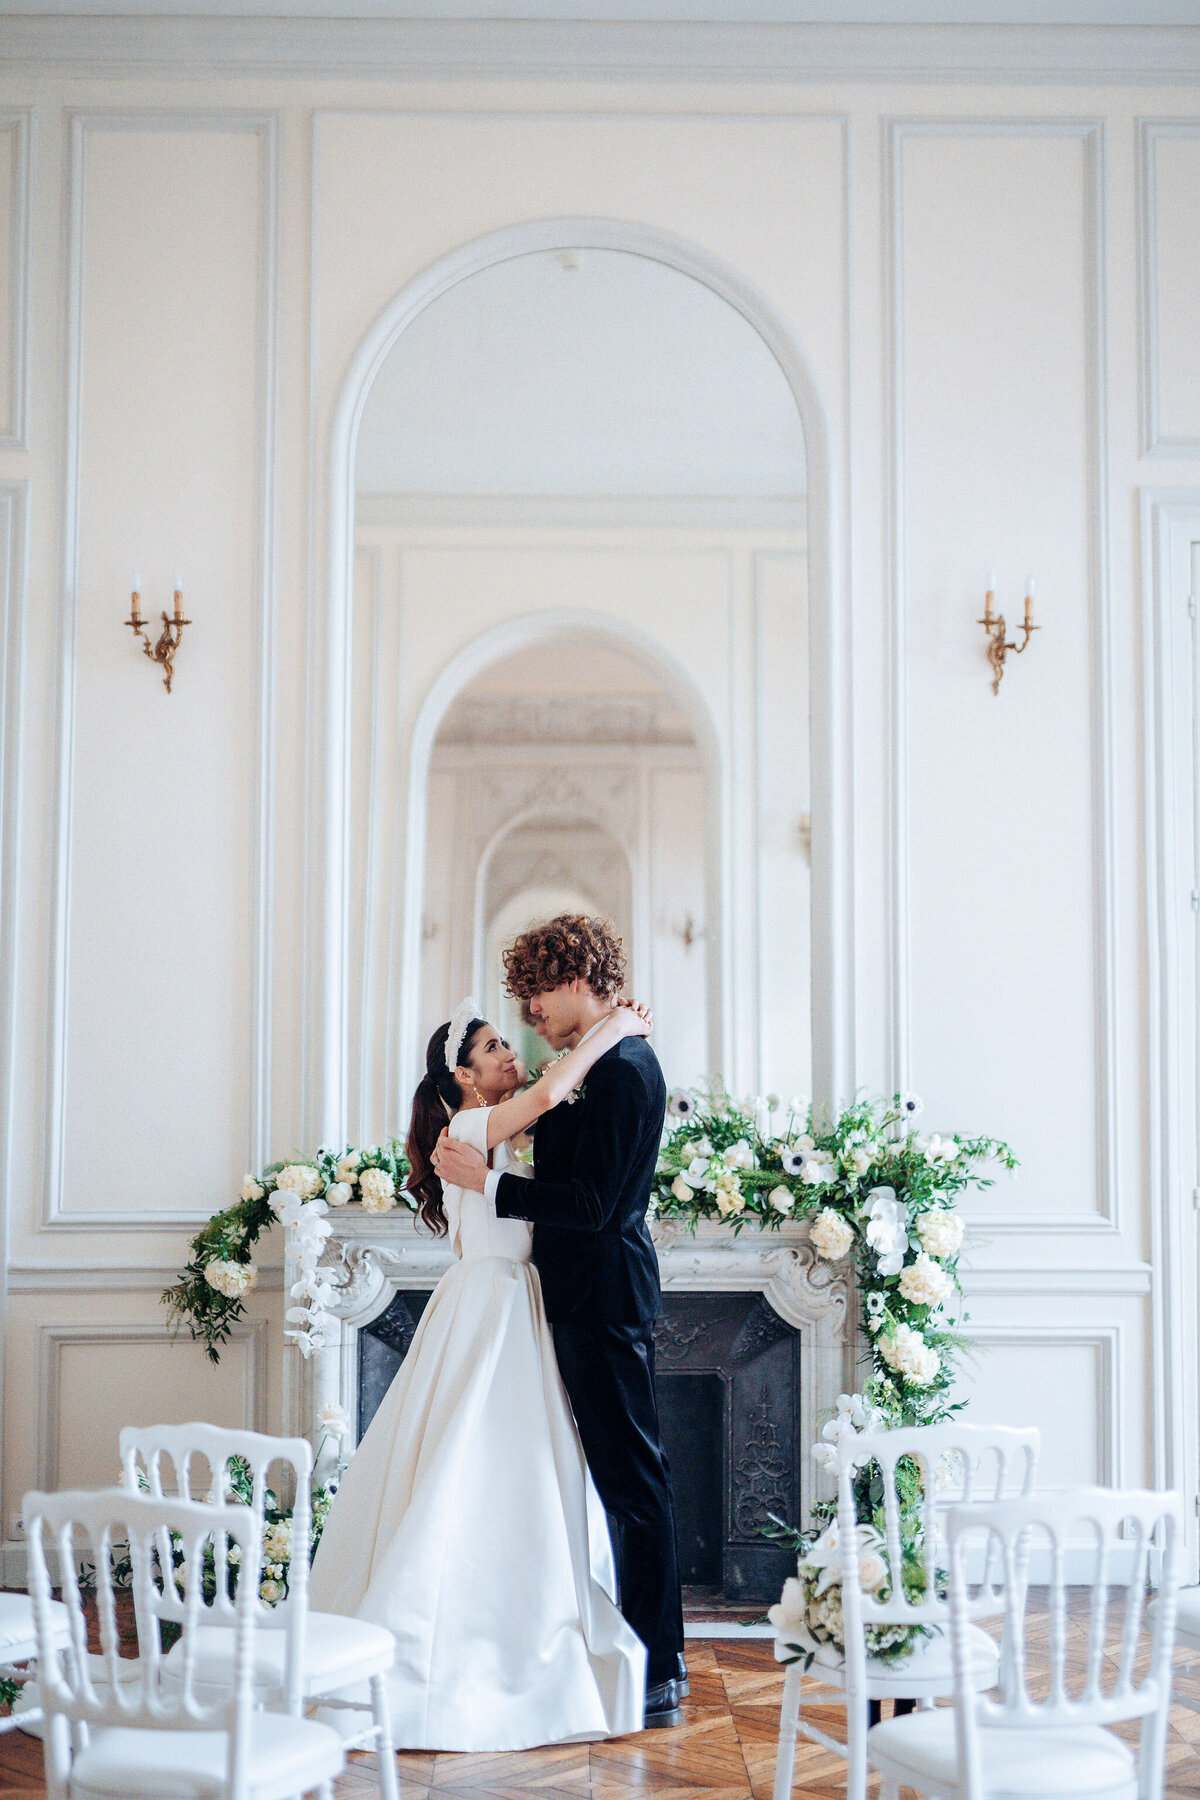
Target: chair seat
x=920, y=1751
x=18, y=1634
x=337, y=1651
x=287, y=1756
x=928, y=1670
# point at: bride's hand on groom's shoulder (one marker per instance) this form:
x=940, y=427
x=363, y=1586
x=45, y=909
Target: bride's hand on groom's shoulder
x=635, y=1017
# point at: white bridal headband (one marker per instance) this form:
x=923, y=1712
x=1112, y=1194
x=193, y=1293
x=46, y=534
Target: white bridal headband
x=467, y=1010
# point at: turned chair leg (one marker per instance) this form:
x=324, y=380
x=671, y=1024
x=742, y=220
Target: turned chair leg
x=789, y=1719
x=388, y=1786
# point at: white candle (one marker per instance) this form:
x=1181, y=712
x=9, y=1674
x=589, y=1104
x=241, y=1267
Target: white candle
x=991, y=581
x=1030, y=586
x=137, y=582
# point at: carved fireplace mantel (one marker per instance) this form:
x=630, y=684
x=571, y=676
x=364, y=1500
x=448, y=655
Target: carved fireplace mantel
x=372, y=1256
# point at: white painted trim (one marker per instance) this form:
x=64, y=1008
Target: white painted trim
x=14, y=569
x=1110, y=1383
x=1150, y=133
x=829, y=626
x=719, y=514
x=80, y=124
x=102, y=47
x=1027, y=1283
x=1106, y=1220
x=14, y=431
x=52, y=1338
x=1168, y=516
x=109, y=1278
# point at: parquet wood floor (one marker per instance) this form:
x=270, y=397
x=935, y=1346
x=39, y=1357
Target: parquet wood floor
x=724, y=1750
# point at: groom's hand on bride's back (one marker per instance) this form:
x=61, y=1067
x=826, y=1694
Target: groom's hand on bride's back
x=458, y=1164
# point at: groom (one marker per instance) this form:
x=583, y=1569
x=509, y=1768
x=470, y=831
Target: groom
x=594, y=1164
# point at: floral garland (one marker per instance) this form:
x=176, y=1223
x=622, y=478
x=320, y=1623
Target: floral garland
x=872, y=1187
x=209, y=1297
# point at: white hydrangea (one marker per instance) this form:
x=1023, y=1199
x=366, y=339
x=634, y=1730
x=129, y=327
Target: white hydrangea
x=781, y=1199
x=230, y=1278
x=347, y=1167
x=831, y=1235
x=790, y=1615
x=378, y=1190
x=251, y=1189
x=906, y=1351
x=300, y=1179
x=925, y=1282
x=940, y=1232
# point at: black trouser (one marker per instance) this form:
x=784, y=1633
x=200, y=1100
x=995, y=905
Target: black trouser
x=608, y=1372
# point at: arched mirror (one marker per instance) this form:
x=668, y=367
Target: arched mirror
x=581, y=665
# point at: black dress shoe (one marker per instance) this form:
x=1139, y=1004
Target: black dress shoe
x=681, y=1680
x=662, y=1706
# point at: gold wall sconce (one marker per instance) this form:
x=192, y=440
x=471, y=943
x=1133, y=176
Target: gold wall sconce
x=163, y=651
x=994, y=624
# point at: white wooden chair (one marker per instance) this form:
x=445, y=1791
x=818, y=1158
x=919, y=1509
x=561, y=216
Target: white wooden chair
x=1187, y=1637
x=18, y=1644
x=967, y=1461
x=300, y=1658
x=125, y=1740
x=1061, y=1745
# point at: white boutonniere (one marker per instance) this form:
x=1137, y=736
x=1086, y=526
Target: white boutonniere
x=576, y=1093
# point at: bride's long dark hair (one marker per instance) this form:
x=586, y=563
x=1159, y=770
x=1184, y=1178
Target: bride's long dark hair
x=437, y=1099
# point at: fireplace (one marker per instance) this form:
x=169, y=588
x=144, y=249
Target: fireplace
x=753, y=1346
x=729, y=1373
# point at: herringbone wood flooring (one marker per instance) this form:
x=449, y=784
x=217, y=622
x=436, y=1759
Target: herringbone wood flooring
x=724, y=1750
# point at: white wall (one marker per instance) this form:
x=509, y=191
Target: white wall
x=958, y=270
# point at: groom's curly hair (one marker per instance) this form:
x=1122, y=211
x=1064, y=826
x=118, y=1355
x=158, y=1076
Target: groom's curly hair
x=546, y=956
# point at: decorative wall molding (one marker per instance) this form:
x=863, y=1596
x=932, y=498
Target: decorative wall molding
x=52, y=1339
x=1108, y=1340
x=1090, y=133
x=1150, y=133
x=1170, y=524
x=14, y=430
x=560, y=50
x=81, y=126
x=517, y=718
x=1031, y=1283
x=718, y=513
x=110, y=1278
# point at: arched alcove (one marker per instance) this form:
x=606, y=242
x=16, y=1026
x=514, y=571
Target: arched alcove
x=735, y=755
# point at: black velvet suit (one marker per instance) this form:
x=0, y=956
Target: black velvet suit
x=594, y=1167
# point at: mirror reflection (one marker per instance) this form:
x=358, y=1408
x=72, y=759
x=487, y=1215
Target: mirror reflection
x=581, y=665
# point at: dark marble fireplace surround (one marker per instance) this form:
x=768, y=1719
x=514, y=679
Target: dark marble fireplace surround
x=729, y=1394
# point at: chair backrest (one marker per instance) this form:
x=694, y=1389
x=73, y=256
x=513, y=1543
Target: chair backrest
x=169, y=1455
x=916, y=1474
x=1113, y=1532
x=91, y=1528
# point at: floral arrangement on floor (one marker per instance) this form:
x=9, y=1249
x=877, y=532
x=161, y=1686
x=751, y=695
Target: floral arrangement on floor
x=209, y=1296
x=808, y=1615
x=873, y=1188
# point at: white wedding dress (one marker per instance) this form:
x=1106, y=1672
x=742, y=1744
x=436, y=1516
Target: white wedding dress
x=468, y=1524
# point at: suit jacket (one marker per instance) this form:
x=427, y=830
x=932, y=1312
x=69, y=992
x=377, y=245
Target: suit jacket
x=593, y=1172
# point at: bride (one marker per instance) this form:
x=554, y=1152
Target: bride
x=467, y=1523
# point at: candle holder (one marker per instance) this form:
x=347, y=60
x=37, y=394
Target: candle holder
x=169, y=640
x=997, y=630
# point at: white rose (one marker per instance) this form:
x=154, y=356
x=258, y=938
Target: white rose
x=789, y=1613
x=681, y=1190
x=270, y=1592
x=872, y=1570
x=925, y=1283
x=300, y=1178
x=277, y=1541
x=940, y=1232
x=858, y=1161
x=738, y=1156
x=378, y=1190
x=348, y=1167
x=831, y=1235
x=813, y=1173
x=251, y=1189
x=339, y=1193
x=230, y=1278
x=729, y=1195
x=335, y=1419
x=781, y=1199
